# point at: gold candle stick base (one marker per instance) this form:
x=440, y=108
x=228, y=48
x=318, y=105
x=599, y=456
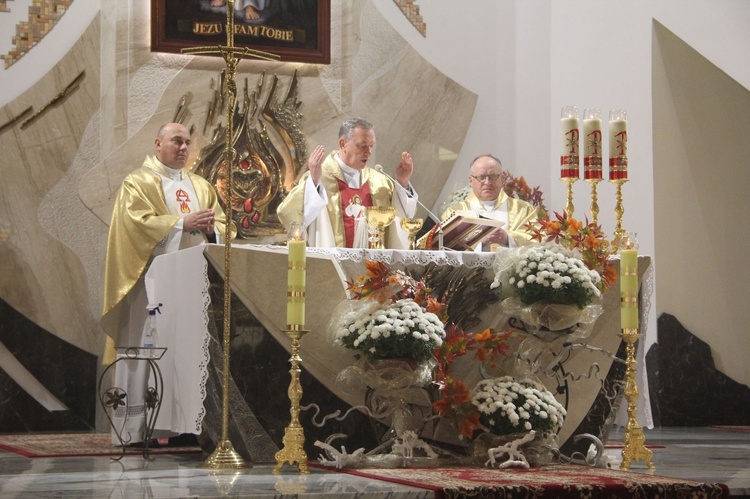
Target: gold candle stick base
x=594, y=199
x=293, y=451
x=225, y=458
x=569, y=181
x=635, y=440
x=619, y=211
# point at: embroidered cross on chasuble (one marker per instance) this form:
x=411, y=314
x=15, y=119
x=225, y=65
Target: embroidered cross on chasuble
x=353, y=203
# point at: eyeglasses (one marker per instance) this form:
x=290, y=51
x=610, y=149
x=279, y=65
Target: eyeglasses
x=481, y=178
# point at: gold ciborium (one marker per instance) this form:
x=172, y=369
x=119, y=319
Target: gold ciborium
x=379, y=217
x=412, y=226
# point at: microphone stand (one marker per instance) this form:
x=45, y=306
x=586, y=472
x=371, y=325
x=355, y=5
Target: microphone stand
x=434, y=217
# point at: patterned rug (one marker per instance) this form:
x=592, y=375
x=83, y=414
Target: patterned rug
x=77, y=444
x=545, y=483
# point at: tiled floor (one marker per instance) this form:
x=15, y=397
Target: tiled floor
x=694, y=453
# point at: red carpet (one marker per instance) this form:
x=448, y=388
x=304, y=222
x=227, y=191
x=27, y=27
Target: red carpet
x=545, y=483
x=75, y=444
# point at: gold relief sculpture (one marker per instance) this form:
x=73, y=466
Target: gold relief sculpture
x=270, y=148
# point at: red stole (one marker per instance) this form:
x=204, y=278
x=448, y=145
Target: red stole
x=353, y=204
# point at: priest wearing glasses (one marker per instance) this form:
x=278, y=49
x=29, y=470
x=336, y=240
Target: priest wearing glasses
x=487, y=198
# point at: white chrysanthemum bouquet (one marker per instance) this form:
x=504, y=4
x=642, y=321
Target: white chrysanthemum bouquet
x=390, y=330
x=507, y=405
x=551, y=273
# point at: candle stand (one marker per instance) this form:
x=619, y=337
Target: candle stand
x=293, y=451
x=619, y=211
x=569, y=181
x=594, y=199
x=635, y=440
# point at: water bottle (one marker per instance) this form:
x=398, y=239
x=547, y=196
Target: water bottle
x=150, y=334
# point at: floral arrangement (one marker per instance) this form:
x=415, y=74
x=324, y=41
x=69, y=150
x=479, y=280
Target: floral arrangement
x=587, y=239
x=381, y=283
x=455, y=402
x=551, y=273
x=507, y=405
x=391, y=314
x=390, y=330
x=518, y=188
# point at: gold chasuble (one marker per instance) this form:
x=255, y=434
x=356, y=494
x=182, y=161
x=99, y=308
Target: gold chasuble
x=519, y=213
x=141, y=220
x=381, y=191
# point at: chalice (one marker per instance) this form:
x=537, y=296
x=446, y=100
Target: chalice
x=380, y=217
x=412, y=226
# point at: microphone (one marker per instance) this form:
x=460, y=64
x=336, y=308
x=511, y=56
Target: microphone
x=435, y=218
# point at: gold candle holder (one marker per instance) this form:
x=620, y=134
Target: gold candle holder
x=293, y=451
x=594, y=199
x=635, y=448
x=619, y=211
x=635, y=440
x=380, y=217
x=569, y=181
x=412, y=226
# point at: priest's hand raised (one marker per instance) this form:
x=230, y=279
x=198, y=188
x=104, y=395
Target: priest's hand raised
x=405, y=169
x=202, y=220
x=315, y=164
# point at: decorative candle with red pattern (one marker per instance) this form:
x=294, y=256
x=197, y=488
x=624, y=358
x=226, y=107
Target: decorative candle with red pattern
x=569, y=157
x=592, y=136
x=618, y=144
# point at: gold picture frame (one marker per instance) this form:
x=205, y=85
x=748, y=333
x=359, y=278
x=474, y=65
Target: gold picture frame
x=295, y=30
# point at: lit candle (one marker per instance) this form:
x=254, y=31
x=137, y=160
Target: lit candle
x=569, y=156
x=629, y=285
x=592, y=136
x=295, y=307
x=618, y=144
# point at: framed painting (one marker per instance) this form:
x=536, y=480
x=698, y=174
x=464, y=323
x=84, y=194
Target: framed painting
x=295, y=30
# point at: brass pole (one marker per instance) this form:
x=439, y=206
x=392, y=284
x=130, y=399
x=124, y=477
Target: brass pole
x=225, y=457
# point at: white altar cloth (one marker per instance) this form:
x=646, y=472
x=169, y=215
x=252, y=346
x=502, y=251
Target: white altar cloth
x=258, y=278
x=179, y=282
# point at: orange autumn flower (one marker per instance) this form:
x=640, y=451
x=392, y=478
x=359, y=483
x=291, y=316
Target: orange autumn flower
x=574, y=226
x=590, y=242
x=469, y=425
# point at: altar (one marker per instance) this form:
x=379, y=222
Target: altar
x=260, y=347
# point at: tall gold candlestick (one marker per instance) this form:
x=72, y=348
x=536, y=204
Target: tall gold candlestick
x=635, y=440
x=293, y=451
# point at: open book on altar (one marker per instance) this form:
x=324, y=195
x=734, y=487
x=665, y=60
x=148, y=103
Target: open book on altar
x=462, y=231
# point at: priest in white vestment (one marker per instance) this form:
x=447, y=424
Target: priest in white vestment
x=161, y=207
x=488, y=199
x=329, y=198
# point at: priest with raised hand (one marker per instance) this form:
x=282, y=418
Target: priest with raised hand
x=161, y=207
x=331, y=197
